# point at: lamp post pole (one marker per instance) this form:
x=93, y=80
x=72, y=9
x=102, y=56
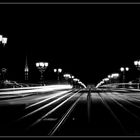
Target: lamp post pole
x=58, y=71
x=123, y=70
x=3, y=42
x=3, y=70
x=41, y=67
x=137, y=64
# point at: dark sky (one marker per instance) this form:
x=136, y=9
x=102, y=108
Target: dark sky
x=88, y=41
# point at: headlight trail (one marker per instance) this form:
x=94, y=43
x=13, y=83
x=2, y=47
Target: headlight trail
x=37, y=89
x=46, y=105
x=124, y=108
x=113, y=114
x=51, y=111
x=51, y=97
x=55, y=128
x=126, y=99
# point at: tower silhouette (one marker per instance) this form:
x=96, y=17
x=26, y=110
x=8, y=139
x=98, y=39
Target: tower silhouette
x=26, y=69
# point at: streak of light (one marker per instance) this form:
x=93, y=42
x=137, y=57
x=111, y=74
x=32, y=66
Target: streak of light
x=51, y=97
x=126, y=99
x=124, y=108
x=51, y=111
x=45, y=106
x=113, y=114
x=63, y=118
x=38, y=89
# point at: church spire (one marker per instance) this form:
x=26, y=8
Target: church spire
x=26, y=69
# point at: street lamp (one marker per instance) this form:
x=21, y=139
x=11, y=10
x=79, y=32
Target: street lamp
x=123, y=70
x=75, y=82
x=3, y=40
x=0, y=38
x=58, y=71
x=137, y=64
x=69, y=78
x=41, y=67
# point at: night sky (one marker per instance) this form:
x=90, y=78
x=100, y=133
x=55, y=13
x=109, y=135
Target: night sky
x=88, y=41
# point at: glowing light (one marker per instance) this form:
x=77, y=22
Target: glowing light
x=4, y=40
x=127, y=69
x=106, y=79
x=41, y=64
x=135, y=63
x=121, y=69
x=0, y=37
x=115, y=75
x=46, y=64
x=37, y=64
x=109, y=76
x=75, y=79
x=59, y=70
x=23, y=90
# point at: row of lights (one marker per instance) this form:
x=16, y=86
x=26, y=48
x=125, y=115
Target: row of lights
x=76, y=80
x=122, y=69
x=43, y=65
x=109, y=78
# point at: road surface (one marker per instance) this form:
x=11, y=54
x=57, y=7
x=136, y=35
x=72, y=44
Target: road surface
x=71, y=112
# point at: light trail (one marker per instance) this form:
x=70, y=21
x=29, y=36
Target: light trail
x=51, y=111
x=126, y=99
x=135, y=97
x=51, y=97
x=113, y=114
x=135, y=116
x=64, y=117
x=45, y=106
x=37, y=89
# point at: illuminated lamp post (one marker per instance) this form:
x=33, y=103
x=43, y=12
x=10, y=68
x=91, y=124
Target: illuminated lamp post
x=137, y=64
x=3, y=40
x=123, y=70
x=58, y=71
x=41, y=67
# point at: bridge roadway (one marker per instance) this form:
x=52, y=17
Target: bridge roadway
x=73, y=112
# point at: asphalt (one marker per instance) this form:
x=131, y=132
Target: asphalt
x=113, y=112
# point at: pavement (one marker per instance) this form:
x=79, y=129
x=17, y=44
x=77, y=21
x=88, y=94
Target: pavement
x=72, y=112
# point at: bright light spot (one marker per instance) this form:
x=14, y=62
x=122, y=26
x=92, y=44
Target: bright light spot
x=109, y=76
x=106, y=79
x=127, y=69
x=4, y=40
x=121, y=69
x=35, y=89
x=41, y=64
x=75, y=79
x=46, y=64
x=0, y=37
x=59, y=70
x=55, y=70
x=67, y=75
x=37, y=64
x=135, y=62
